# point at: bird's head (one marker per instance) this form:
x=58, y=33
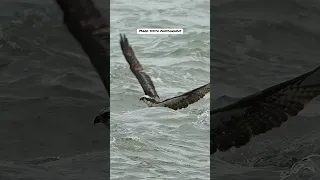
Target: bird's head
x=103, y=117
x=150, y=101
x=145, y=98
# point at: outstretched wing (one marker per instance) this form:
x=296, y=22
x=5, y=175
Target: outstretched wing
x=137, y=69
x=187, y=98
x=234, y=125
x=91, y=30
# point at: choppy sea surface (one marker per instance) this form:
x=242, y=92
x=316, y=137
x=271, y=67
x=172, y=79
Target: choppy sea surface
x=257, y=44
x=160, y=143
x=49, y=95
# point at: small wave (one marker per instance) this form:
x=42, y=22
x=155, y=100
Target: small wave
x=307, y=168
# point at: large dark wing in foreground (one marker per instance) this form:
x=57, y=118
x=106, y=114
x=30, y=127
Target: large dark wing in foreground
x=187, y=98
x=91, y=30
x=137, y=69
x=234, y=125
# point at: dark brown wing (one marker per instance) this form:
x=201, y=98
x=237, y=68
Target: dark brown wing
x=137, y=69
x=91, y=30
x=187, y=98
x=234, y=125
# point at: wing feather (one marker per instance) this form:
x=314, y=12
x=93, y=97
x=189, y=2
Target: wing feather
x=236, y=124
x=137, y=69
x=187, y=98
x=85, y=22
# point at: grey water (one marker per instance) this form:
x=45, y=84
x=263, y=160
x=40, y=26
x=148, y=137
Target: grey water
x=50, y=92
x=49, y=96
x=160, y=143
x=257, y=44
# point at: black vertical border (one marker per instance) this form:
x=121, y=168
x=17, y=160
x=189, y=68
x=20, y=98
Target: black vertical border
x=92, y=30
x=211, y=74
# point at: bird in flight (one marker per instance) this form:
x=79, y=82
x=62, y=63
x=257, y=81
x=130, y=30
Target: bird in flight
x=234, y=125
x=151, y=97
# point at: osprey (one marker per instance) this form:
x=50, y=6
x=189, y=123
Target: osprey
x=151, y=97
x=235, y=124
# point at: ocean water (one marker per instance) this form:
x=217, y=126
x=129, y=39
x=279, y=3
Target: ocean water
x=160, y=143
x=257, y=44
x=49, y=96
x=49, y=93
